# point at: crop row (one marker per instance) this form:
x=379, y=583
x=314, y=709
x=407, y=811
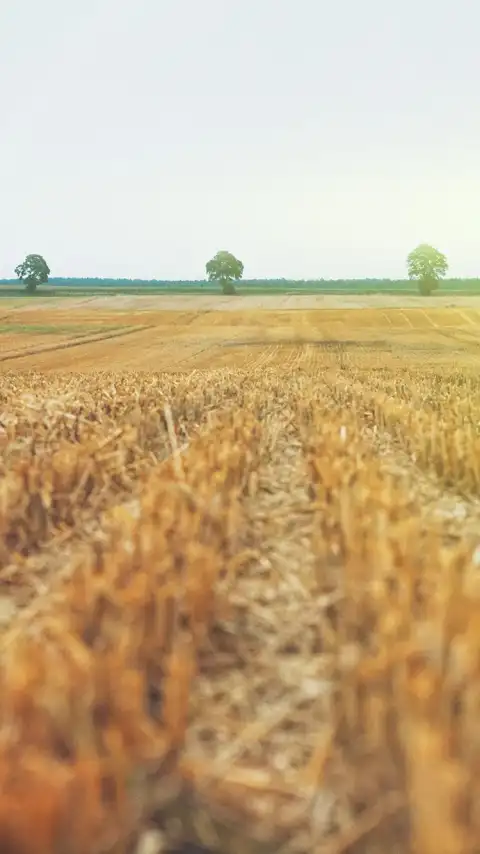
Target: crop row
x=404, y=634
x=95, y=686
x=96, y=676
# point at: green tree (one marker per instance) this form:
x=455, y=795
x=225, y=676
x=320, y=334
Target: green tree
x=33, y=271
x=427, y=266
x=224, y=268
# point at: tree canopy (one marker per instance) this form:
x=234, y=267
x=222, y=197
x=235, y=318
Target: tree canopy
x=33, y=271
x=427, y=266
x=224, y=268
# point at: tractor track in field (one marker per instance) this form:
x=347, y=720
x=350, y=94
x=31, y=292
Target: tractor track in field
x=67, y=345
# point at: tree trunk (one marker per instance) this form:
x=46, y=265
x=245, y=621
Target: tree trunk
x=424, y=288
x=427, y=285
x=228, y=287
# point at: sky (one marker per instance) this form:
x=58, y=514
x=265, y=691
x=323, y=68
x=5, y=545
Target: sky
x=312, y=139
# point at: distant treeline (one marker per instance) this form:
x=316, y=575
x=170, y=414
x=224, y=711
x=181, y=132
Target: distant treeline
x=260, y=284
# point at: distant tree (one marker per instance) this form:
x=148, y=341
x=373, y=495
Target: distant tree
x=33, y=271
x=224, y=268
x=427, y=266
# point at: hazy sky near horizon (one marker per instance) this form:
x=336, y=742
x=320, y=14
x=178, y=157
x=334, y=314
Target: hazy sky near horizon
x=312, y=139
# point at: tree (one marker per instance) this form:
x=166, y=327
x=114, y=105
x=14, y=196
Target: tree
x=427, y=265
x=224, y=268
x=33, y=271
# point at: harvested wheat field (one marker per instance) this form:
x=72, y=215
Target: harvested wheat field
x=141, y=336
x=240, y=597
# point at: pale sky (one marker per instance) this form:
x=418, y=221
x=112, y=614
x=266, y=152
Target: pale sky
x=310, y=138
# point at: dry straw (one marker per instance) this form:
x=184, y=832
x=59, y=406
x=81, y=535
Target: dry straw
x=228, y=611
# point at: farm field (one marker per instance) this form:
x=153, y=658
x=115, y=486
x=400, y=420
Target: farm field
x=241, y=302
x=239, y=600
x=79, y=337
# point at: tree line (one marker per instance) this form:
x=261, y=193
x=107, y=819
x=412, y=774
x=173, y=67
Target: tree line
x=425, y=265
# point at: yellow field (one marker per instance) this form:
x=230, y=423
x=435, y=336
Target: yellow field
x=240, y=593
x=169, y=340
